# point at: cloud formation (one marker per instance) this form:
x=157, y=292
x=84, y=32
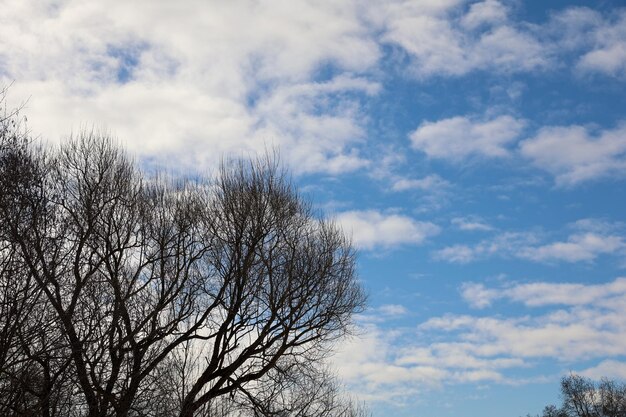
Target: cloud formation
x=589, y=240
x=609, y=53
x=544, y=293
x=471, y=224
x=371, y=229
x=196, y=80
x=461, y=137
x=576, y=322
x=431, y=182
x=443, y=42
x=574, y=154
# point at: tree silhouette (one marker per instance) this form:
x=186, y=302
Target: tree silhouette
x=127, y=295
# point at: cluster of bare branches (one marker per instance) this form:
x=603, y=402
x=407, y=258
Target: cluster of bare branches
x=583, y=397
x=127, y=295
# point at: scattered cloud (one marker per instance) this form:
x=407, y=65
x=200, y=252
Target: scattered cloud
x=197, y=87
x=487, y=12
x=461, y=137
x=444, y=41
x=431, y=182
x=392, y=310
x=383, y=313
x=574, y=154
x=590, y=239
x=606, y=369
x=577, y=248
x=544, y=293
x=577, y=322
x=372, y=229
x=477, y=295
x=502, y=244
x=471, y=224
x=607, y=40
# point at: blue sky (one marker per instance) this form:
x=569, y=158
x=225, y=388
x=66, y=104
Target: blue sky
x=474, y=150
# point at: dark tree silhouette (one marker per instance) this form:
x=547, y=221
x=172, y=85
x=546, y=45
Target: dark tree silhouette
x=583, y=397
x=127, y=295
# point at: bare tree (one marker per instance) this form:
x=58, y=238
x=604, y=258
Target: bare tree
x=583, y=397
x=33, y=363
x=127, y=272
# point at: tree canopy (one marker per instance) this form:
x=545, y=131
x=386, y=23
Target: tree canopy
x=123, y=294
x=583, y=397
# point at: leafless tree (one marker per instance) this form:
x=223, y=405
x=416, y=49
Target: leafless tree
x=110, y=276
x=583, y=397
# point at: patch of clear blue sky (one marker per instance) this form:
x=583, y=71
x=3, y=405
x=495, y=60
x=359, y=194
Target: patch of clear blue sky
x=127, y=58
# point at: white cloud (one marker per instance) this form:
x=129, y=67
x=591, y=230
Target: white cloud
x=431, y=182
x=462, y=137
x=577, y=323
x=371, y=229
x=608, y=53
x=574, y=154
x=545, y=293
x=477, y=295
x=504, y=244
x=379, y=366
x=591, y=240
x=485, y=12
x=570, y=28
x=455, y=38
x=606, y=369
x=195, y=80
x=366, y=363
x=458, y=253
x=578, y=247
x=392, y=310
x=241, y=76
x=566, y=337
x=471, y=224
x=382, y=313
x=446, y=41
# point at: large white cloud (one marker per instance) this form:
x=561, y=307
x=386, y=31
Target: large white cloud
x=372, y=229
x=195, y=80
x=461, y=137
x=444, y=42
x=574, y=154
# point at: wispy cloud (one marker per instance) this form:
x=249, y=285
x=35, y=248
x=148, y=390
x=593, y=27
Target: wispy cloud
x=597, y=40
x=588, y=241
x=578, y=247
x=431, y=182
x=383, y=313
x=471, y=224
x=545, y=293
x=605, y=369
x=576, y=322
x=502, y=244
